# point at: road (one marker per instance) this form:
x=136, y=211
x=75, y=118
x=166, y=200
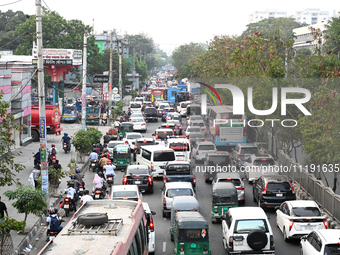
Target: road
x=164, y=245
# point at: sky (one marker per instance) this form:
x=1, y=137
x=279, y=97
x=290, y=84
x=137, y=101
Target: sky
x=169, y=23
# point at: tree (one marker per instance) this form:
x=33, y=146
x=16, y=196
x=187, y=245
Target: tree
x=7, y=166
x=29, y=200
x=333, y=35
x=141, y=42
x=83, y=140
x=6, y=226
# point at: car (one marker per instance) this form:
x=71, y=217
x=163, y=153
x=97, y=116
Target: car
x=234, y=178
x=246, y=230
x=178, y=124
x=320, y=242
x=191, y=129
x=165, y=112
x=151, y=227
x=196, y=137
x=135, y=106
x=158, y=101
x=139, y=99
x=130, y=139
x=257, y=165
x=214, y=160
x=136, y=115
x=150, y=114
x=192, y=118
x=200, y=149
x=171, y=104
x=298, y=218
x=139, y=175
x=199, y=123
x=181, y=146
x=142, y=142
x=111, y=145
x=182, y=108
x=173, y=189
x=171, y=126
x=147, y=104
x=161, y=107
x=173, y=116
x=270, y=191
x=139, y=124
x=242, y=151
x=126, y=192
x=163, y=133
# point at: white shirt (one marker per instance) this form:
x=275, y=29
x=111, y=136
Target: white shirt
x=70, y=192
x=109, y=170
x=86, y=198
x=50, y=150
x=94, y=155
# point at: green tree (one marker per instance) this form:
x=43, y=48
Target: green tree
x=83, y=140
x=141, y=42
x=333, y=36
x=29, y=200
x=7, y=166
x=118, y=110
x=6, y=226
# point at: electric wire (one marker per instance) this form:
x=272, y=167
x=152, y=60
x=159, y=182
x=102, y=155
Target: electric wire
x=10, y=3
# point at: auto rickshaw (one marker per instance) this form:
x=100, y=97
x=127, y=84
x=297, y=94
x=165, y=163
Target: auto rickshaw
x=224, y=196
x=121, y=156
x=191, y=234
x=126, y=127
x=113, y=132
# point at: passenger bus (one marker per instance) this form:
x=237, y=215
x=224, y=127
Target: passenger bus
x=106, y=227
x=157, y=93
x=225, y=135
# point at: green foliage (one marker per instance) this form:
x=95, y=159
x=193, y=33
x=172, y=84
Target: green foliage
x=333, y=36
x=9, y=224
x=83, y=140
x=8, y=167
x=118, y=110
x=54, y=175
x=73, y=162
x=141, y=42
x=134, y=93
x=28, y=200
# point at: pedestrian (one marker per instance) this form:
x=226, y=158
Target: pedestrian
x=3, y=209
x=85, y=198
x=36, y=175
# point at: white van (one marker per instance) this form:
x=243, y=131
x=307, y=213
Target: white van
x=181, y=146
x=156, y=158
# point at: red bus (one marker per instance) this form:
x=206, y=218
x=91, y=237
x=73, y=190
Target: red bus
x=157, y=93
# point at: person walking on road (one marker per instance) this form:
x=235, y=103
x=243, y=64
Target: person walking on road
x=36, y=175
x=3, y=210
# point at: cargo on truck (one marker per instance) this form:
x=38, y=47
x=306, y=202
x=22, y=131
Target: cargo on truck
x=92, y=115
x=52, y=121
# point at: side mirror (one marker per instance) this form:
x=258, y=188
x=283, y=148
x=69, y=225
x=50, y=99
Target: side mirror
x=153, y=212
x=304, y=238
x=223, y=217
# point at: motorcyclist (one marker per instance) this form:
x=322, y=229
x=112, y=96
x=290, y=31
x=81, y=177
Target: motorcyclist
x=37, y=158
x=129, y=112
x=117, y=123
x=71, y=194
x=52, y=152
x=98, y=182
x=99, y=145
x=79, y=177
x=93, y=155
x=66, y=139
x=107, y=138
x=74, y=182
x=104, y=117
x=51, y=223
x=102, y=162
x=109, y=170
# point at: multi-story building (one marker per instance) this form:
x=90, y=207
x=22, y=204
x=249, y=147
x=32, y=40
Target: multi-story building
x=305, y=39
x=267, y=14
x=311, y=16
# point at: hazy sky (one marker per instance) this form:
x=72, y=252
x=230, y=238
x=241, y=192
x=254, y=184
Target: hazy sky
x=170, y=23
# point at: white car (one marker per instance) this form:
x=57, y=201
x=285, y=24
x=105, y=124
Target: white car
x=151, y=227
x=161, y=107
x=136, y=115
x=139, y=124
x=158, y=101
x=320, y=242
x=191, y=129
x=130, y=139
x=135, y=107
x=297, y=218
x=111, y=145
x=173, y=189
x=200, y=150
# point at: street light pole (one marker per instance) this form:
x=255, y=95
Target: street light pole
x=120, y=52
x=83, y=97
x=110, y=75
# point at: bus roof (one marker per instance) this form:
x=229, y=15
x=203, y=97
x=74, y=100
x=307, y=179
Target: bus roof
x=71, y=238
x=222, y=108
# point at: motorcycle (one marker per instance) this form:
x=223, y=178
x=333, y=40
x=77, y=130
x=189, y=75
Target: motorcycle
x=81, y=190
x=99, y=193
x=67, y=206
x=66, y=147
x=51, y=234
x=51, y=159
x=103, y=122
x=110, y=180
x=93, y=165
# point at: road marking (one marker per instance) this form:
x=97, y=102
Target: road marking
x=164, y=246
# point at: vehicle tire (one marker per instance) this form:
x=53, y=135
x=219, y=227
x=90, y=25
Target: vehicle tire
x=257, y=240
x=93, y=219
x=164, y=214
x=35, y=135
x=285, y=237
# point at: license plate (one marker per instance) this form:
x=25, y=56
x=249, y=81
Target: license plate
x=66, y=206
x=308, y=227
x=109, y=178
x=137, y=182
x=96, y=196
x=81, y=189
x=279, y=195
x=237, y=243
x=52, y=237
x=93, y=164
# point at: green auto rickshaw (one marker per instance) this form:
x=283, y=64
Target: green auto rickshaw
x=191, y=233
x=121, y=156
x=125, y=127
x=224, y=196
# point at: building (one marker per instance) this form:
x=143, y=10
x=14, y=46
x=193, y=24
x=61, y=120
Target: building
x=305, y=39
x=311, y=16
x=103, y=43
x=267, y=14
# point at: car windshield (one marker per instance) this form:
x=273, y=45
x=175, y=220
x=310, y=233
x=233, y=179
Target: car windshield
x=112, y=145
x=137, y=120
x=249, y=150
x=136, y=115
x=138, y=171
x=306, y=211
x=276, y=186
x=206, y=148
x=150, y=110
x=164, y=156
x=124, y=193
x=246, y=226
x=163, y=106
x=179, y=192
x=133, y=136
x=264, y=162
x=332, y=249
x=219, y=160
x=184, y=105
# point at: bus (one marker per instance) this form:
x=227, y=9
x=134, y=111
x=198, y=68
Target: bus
x=107, y=227
x=226, y=129
x=194, y=109
x=171, y=94
x=157, y=93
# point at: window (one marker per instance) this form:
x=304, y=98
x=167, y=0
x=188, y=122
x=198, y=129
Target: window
x=146, y=154
x=25, y=128
x=164, y=156
x=179, y=192
x=245, y=226
x=306, y=211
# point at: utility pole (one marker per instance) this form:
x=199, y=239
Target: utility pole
x=120, y=52
x=134, y=67
x=140, y=55
x=110, y=75
x=83, y=94
x=42, y=112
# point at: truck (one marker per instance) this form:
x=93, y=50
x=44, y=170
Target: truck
x=171, y=94
x=72, y=113
x=112, y=227
x=92, y=115
x=179, y=171
x=52, y=121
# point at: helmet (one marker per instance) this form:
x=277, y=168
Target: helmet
x=65, y=134
x=107, y=133
x=94, y=150
x=98, y=141
x=52, y=210
x=100, y=174
x=53, y=145
x=73, y=176
x=78, y=171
